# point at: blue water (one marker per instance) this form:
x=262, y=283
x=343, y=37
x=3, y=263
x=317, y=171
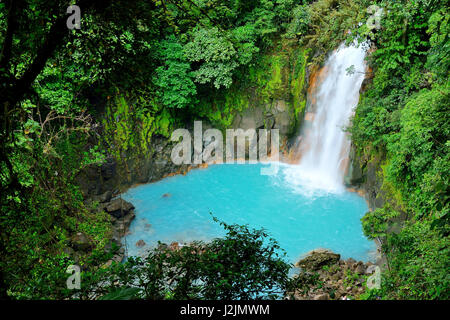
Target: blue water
x=299, y=218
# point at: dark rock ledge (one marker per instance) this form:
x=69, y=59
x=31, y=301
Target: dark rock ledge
x=337, y=279
x=121, y=214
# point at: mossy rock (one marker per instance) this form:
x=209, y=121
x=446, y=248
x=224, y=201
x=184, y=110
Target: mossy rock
x=317, y=259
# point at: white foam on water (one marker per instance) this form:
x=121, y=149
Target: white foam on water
x=325, y=145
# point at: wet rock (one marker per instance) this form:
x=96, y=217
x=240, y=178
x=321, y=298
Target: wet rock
x=280, y=106
x=349, y=263
x=283, y=118
x=119, y=208
x=105, y=197
x=163, y=246
x=108, y=169
x=80, y=241
x=360, y=269
x=69, y=251
x=354, y=176
x=127, y=219
x=101, y=199
x=140, y=243
x=121, y=226
x=318, y=258
x=251, y=118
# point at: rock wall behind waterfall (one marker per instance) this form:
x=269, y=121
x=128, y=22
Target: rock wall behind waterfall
x=272, y=96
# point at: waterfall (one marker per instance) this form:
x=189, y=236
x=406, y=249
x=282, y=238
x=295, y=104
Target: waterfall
x=324, y=145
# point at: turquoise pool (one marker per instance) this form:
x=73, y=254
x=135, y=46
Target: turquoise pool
x=299, y=217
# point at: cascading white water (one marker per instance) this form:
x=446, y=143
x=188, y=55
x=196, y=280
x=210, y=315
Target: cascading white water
x=324, y=145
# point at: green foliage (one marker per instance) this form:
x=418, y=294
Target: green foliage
x=300, y=22
x=418, y=264
x=174, y=78
x=216, y=54
x=376, y=223
x=129, y=125
x=245, y=264
x=124, y=116
x=125, y=293
x=154, y=64
x=438, y=60
x=39, y=223
x=419, y=152
x=276, y=75
x=298, y=78
x=403, y=119
x=329, y=22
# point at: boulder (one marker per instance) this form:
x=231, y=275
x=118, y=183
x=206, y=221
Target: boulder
x=173, y=246
x=349, y=263
x=280, y=106
x=360, y=269
x=80, y=241
x=69, y=251
x=105, y=197
x=102, y=199
x=140, y=243
x=127, y=219
x=121, y=225
x=283, y=122
x=251, y=118
x=108, y=169
x=119, y=208
x=163, y=246
x=335, y=277
x=318, y=258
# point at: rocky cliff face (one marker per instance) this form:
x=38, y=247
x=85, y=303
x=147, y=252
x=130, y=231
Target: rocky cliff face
x=273, y=98
x=327, y=277
x=115, y=177
x=366, y=175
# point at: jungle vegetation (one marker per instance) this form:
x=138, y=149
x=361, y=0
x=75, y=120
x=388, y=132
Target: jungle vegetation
x=156, y=64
